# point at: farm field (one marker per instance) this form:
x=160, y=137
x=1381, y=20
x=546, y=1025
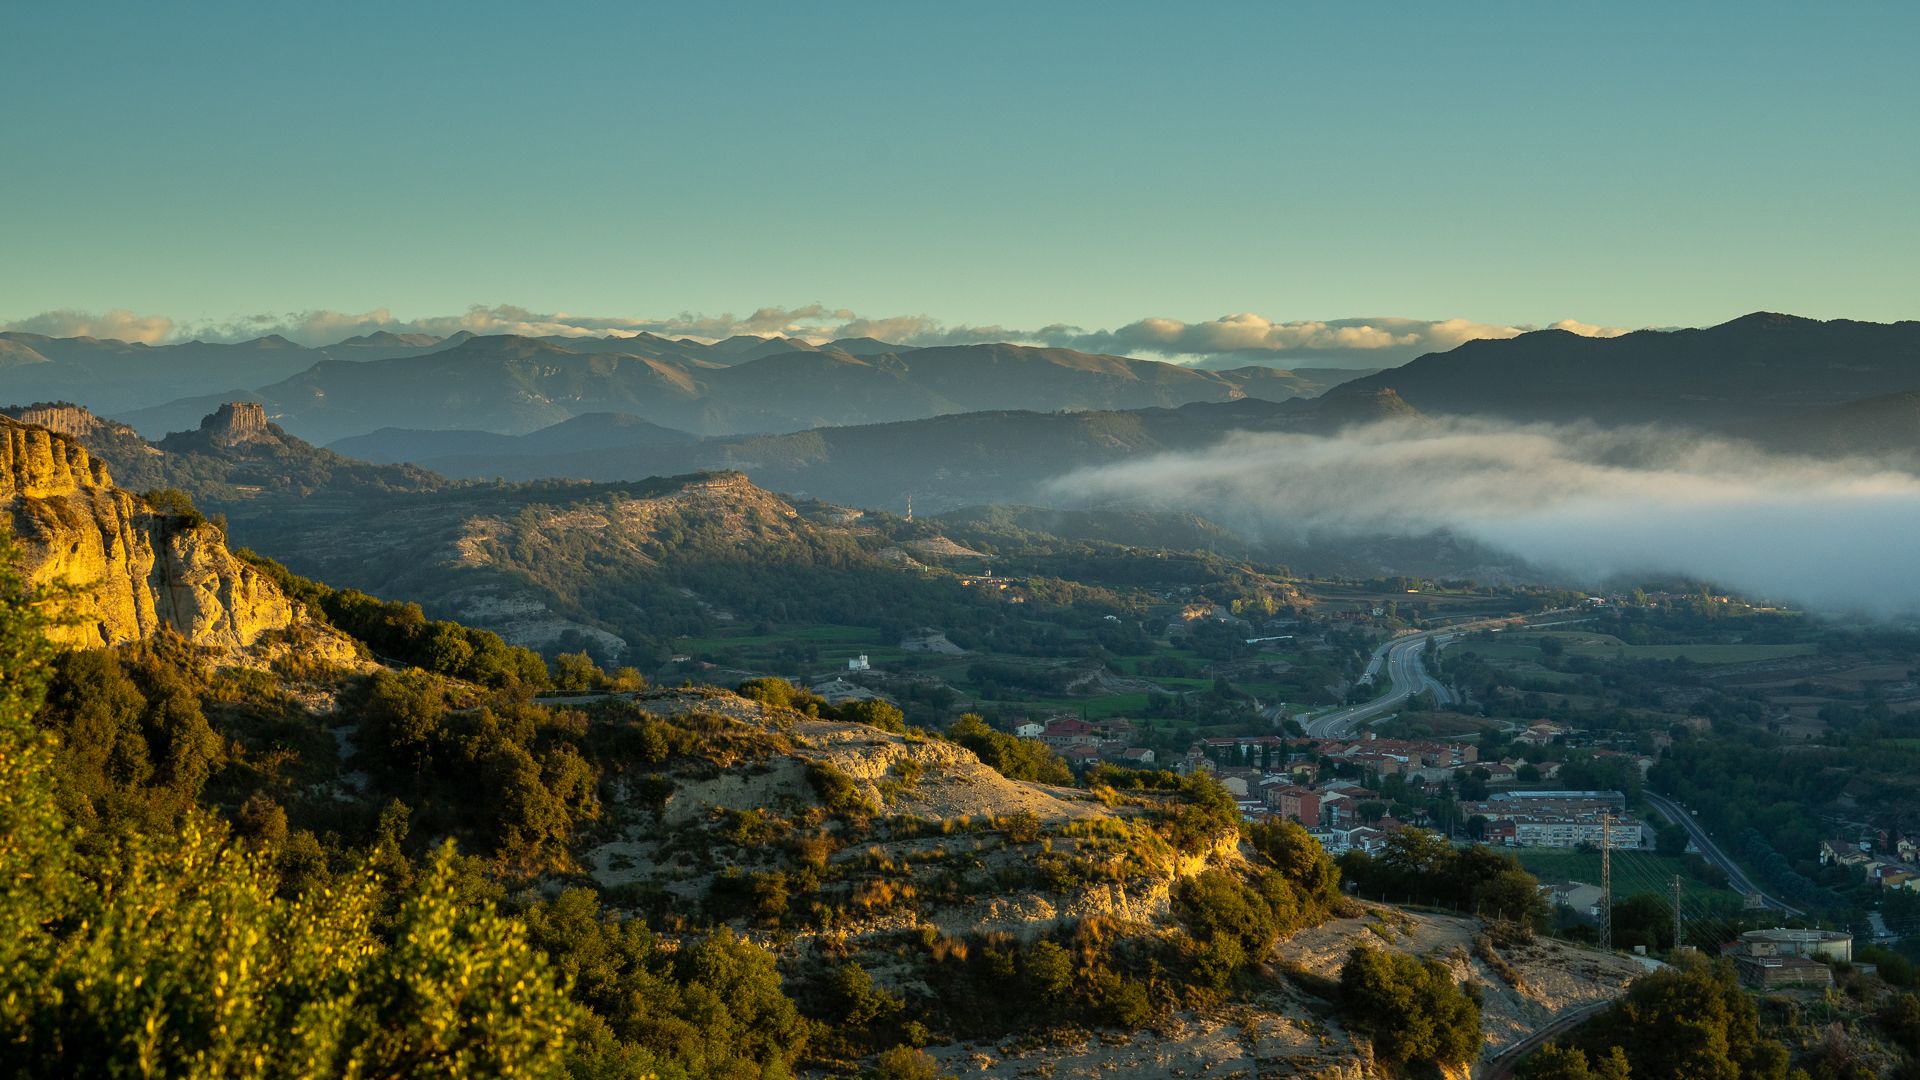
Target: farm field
x=1635, y=873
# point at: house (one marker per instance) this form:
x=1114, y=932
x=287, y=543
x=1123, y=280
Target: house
x=1079, y=755
x=1770, y=972
x=1298, y=803
x=1063, y=733
x=1137, y=756
x=859, y=663
x=1250, y=778
x=1578, y=897
x=1542, y=734
x=1030, y=730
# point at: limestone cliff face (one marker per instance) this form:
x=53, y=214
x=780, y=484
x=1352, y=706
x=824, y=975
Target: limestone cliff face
x=237, y=423
x=73, y=421
x=129, y=571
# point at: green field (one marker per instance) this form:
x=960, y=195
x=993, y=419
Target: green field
x=1634, y=872
x=1524, y=648
x=1096, y=708
x=1699, y=654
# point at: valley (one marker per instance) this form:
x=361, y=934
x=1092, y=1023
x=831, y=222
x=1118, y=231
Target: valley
x=1176, y=778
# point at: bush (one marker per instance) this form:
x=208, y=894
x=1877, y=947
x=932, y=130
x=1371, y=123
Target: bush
x=837, y=791
x=1015, y=759
x=905, y=1063
x=875, y=714
x=175, y=503
x=1411, y=1009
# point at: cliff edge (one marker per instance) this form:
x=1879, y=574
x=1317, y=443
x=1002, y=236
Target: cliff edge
x=122, y=570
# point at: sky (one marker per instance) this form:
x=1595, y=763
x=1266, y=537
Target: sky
x=1140, y=171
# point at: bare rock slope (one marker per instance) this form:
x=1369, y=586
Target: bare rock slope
x=122, y=570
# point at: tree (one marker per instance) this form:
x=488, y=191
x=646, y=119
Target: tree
x=190, y=964
x=1411, y=1009
x=402, y=721
x=171, y=952
x=1556, y=1062
x=1049, y=973
x=575, y=673
x=1016, y=759
x=875, y=713
x=1690, y=1020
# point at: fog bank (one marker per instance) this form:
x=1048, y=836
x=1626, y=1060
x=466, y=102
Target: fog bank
x=1836, y=535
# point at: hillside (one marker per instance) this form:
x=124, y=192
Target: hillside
x=697, y=879
x=620, y=568
x=944, y=462
x=514, y=385
x=588, y=434
x=1755, y=368
x=125, y=570
x=1883, y=426
x=233, y=458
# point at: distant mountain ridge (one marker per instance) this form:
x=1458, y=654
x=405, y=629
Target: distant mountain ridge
x=945, y=462
x=1751, y=369
x=1886, y=426
x=514, y=385
x=110, y=377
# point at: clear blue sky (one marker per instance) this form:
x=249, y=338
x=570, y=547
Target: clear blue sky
x=1017, y=164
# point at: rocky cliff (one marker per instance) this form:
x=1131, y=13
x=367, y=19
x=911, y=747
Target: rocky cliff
x=237, y=423
x=122, y=570
x=67, y=419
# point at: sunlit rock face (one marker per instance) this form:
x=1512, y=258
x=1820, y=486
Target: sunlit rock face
x=118, y=570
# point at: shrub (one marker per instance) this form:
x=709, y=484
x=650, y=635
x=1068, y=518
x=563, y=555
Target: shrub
x=1411, y=1009
x=837, y=791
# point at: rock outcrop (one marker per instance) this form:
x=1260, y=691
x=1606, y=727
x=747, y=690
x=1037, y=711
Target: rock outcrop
x=73, y=421
x=237, y=423
x=121, y=570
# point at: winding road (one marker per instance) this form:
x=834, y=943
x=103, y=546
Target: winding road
x=1709, y=850
x=1399, y=660
x=1502, y=1065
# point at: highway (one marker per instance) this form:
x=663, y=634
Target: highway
x=1712, y=853
x=1398, y=659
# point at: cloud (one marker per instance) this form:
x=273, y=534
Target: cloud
x=119, y=324
x=1383, y=341
x=1575, y=326
x=1231, y=340
x=1589, y=502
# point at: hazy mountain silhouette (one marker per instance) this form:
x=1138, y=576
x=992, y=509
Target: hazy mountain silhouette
x=946, y=461
x=1753, y=368
x=1886, y=425
x=514, y=385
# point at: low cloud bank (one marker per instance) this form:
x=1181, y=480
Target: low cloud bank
x=1229, y=341
x=1836, y=535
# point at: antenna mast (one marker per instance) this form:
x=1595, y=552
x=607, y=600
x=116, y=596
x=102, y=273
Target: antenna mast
x=1606, y=881
x=1678, y=939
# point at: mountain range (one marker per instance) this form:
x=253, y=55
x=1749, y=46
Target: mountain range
x=945, y=461
x=1754, y=369
x=514, y=385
